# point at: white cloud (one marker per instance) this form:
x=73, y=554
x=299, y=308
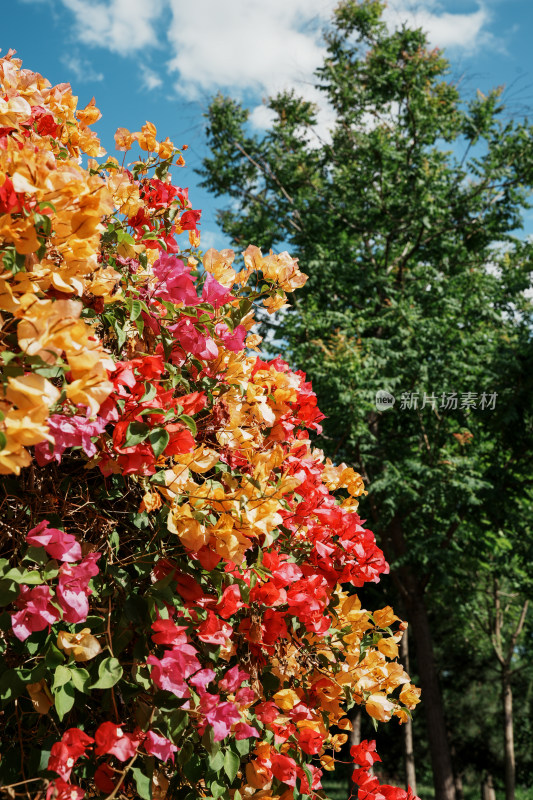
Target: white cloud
x=246, y=45
x=82, y=69
x=249, y=44
x=456, y=30
x=249, y=47
x=212, y=239
x=444, y=29
x=150, y=79
x=121, y=26
x=262, y=117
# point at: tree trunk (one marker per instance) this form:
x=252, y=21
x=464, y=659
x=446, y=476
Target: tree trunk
x=443, y=778
x=355, y=733
x=355, y=739
x=458, y=776
x=487, y=788
x=505, y=659
x=411, y=590
x=508, y=734
x=459, y=791
x=409, y=755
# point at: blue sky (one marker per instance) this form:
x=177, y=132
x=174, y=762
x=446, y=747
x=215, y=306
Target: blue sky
x=161, y=60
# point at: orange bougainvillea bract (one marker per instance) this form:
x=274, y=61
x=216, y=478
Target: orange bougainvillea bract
x=179, y=563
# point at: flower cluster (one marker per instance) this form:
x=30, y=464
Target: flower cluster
x=37, y=611
x=181, y=565
x=364, y=756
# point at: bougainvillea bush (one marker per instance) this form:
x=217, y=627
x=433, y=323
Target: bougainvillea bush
x=179, y=564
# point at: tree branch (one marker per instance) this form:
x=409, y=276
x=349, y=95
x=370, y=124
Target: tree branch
x=517, y=632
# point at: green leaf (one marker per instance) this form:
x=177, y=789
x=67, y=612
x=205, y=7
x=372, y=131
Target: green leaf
x=216, y=762
x=80, y=678
x=8, y=592
x=33, y=645
x=217, y=789
x=49, y=372
x=159, y=439
x=143, y=783
x=308, y=775
x=150, y=392
x=31, y=578
x=64, y=699
x=177, y=721
x=125, y=237
x=37, y=555
x=121, y=639
x=62, y=675
x=136, y=433
x=114, y=540
x=141, y=520
x=136, y=310
x=159, y=478
x=7, y=355
x=185, y=753
x=54, y=656
x=189, y=422
x=142, y=678
x=11, y=686
x=242, y=746
x=109, y=673
x=194, y=768
x=270, y=682
x=231, y=764
x=51, y=570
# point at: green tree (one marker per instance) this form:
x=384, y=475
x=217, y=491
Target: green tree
x=405, y=219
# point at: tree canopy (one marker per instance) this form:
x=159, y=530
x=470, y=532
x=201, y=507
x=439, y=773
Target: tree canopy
x=407, y=215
